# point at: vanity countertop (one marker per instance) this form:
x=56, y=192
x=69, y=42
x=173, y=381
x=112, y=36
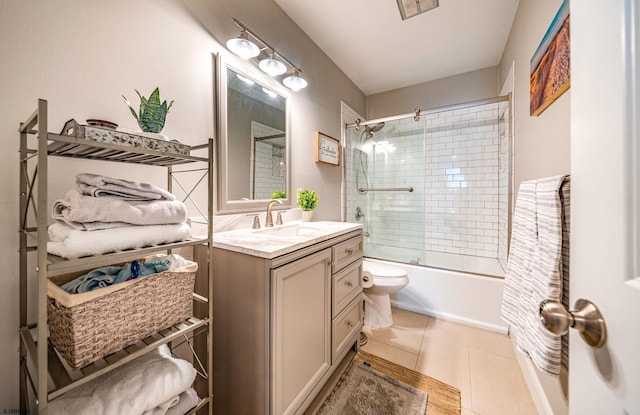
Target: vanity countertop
x=280, y=239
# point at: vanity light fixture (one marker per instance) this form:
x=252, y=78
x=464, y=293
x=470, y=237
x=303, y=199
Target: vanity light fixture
x=272, y=62
x=294, y=81
x=242, y=46
x=272, y=66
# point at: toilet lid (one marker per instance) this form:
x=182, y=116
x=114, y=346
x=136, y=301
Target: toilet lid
x=384, y=271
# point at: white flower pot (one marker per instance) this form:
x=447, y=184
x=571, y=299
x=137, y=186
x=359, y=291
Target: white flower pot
x=307, y=215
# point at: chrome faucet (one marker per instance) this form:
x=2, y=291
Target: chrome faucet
x=269, y=223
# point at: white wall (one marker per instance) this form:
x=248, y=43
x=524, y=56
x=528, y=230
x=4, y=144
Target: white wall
x=81, y=56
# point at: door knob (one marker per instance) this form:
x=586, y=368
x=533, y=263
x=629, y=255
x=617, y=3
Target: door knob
x=586, y=318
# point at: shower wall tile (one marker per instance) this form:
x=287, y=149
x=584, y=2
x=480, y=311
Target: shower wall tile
x=462, y=176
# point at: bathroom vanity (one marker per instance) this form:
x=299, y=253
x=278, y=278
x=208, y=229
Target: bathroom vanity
x=287, y=309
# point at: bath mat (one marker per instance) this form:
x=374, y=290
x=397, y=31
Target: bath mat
x=372, y=385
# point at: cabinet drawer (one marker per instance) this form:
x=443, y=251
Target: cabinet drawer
x=347, y=284
x=346, y=252
x=345, y=328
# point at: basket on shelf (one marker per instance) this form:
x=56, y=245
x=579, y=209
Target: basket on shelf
x=88, y=326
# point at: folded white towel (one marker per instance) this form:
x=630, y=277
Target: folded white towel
x=91, y=213
x=95, y=185
x=149, y=384
x=187, y=400
x=72, y=243
x=534, y=270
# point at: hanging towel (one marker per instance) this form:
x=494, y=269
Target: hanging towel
x=94, y=185
x=72, y=243
x=539, y=244
x=91, y=213
x=147, y=385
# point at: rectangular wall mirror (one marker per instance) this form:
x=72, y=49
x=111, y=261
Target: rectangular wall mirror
x=254, y=144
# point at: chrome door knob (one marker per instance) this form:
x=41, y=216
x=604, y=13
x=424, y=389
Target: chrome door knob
x=586, y=318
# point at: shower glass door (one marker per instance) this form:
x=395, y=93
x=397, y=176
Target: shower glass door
x=385, y=179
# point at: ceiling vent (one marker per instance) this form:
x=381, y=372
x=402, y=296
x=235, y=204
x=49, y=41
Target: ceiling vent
x=410, y=8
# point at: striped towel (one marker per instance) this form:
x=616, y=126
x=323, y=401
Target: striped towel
x=538, y=268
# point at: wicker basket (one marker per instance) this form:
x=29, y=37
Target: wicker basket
x=124, y=314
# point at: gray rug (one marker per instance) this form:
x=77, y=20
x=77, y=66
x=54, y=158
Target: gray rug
x=362, y=390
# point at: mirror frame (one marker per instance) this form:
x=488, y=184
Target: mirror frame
x=224, y=205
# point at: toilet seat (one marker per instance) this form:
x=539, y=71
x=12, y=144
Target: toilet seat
x=382, y=281
x=382, y=271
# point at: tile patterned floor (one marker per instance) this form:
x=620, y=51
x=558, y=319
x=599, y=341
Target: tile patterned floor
x=481, y=363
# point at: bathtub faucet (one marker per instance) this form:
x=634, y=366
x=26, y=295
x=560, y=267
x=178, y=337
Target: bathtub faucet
x=359, y=214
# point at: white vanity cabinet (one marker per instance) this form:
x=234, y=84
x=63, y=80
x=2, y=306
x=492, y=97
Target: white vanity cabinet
x=283, y=324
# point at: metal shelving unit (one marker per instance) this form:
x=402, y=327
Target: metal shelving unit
x=41, y=369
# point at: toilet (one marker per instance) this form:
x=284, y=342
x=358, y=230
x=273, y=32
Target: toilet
x=382, y=281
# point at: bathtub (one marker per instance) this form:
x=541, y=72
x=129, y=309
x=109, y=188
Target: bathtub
x=451, y=295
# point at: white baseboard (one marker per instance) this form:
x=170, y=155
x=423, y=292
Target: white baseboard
x=538, y=395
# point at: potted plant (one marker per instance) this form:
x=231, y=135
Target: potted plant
x=307, y=201
x=152, y=113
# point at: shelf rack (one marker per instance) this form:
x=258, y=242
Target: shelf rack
x=41, y=369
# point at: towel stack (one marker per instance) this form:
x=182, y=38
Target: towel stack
x=106, y=214
x=153, y=384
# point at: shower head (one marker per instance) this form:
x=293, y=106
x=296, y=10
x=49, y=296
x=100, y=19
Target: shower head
x=367, y=134
x=379, y=126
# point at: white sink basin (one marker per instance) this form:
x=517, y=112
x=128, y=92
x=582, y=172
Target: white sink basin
x=291, y=230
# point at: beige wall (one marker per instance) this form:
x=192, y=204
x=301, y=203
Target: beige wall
x=81, y=56
x=456, y=89
x=542, y=144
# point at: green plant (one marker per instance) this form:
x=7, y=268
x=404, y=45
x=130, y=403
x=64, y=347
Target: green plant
x=307, y=199
x=152, y=113
x=282, y=194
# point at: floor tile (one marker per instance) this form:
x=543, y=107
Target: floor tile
x=475, y=337
x=406, y=332
x=468, y=412
x=447, y=362
x=392, y=354
x=406, y=339
x=408, y=320
x=497, y=385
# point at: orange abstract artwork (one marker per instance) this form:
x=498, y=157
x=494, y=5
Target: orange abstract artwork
x=550, y=69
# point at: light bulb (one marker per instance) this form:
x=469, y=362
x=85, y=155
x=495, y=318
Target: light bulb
x=243, y=47
x=272, y=66
x=294, y=82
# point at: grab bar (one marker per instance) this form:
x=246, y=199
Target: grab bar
x=387, y=189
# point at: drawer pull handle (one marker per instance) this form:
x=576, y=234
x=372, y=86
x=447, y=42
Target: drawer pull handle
x=349, y=323
x=349, y=251
x=348, y=283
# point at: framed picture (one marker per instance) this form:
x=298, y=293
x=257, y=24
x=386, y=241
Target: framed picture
x=327, y=149
x=549, y=76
